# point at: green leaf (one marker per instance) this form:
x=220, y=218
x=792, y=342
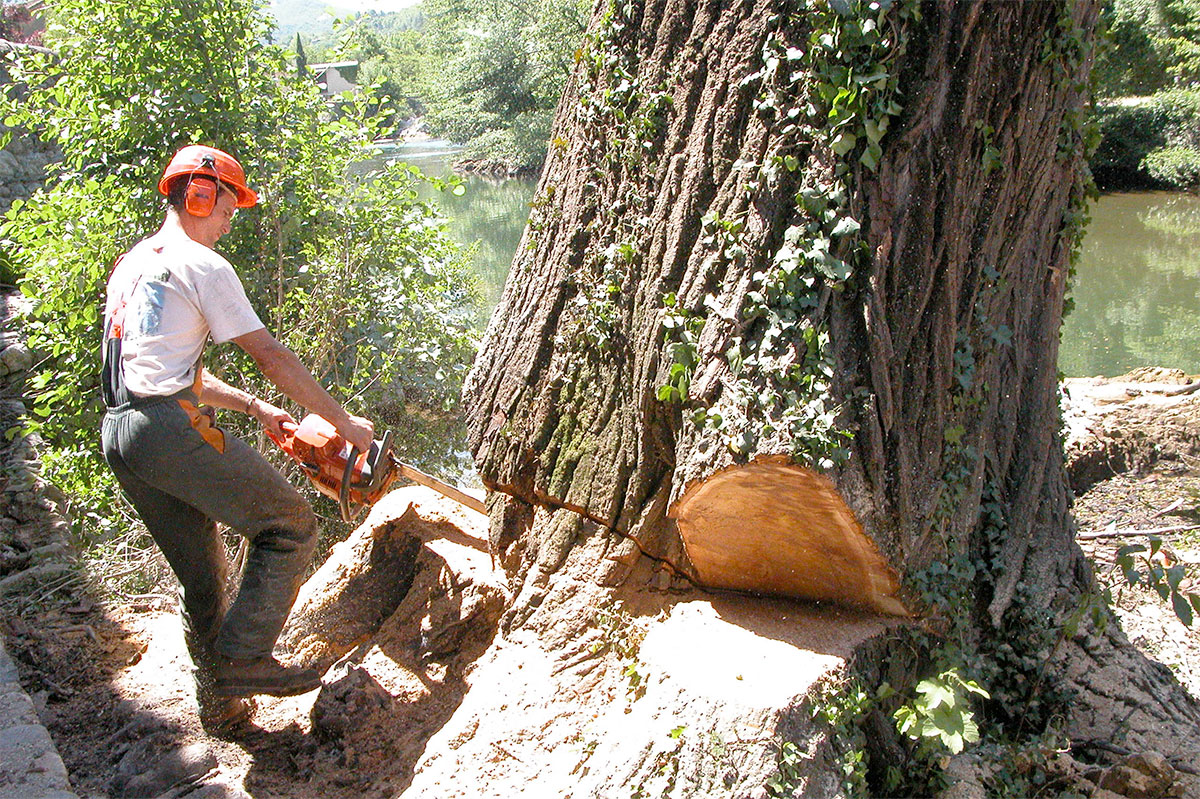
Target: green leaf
x=813, y=199
x=936, y=693
x=844, y=143
x=870, y=159
x=1183, y=609
x=1175, y=575
x=846, y=226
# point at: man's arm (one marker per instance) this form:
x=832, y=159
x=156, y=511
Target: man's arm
x=216, y=392
x=283, y=368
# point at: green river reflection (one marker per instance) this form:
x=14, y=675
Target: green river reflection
x=490, y=215
x=1137, y=287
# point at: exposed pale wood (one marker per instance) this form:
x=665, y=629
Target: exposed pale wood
x=774, y=528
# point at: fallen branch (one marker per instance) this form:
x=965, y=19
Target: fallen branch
x=1179, y=528
x=1190, y=388
x=1164, y=511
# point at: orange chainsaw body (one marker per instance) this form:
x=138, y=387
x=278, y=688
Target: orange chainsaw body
x=335, y=467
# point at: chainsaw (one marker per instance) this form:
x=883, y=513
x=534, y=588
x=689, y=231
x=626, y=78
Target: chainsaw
x=351, y=478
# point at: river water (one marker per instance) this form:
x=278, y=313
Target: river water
x=489, y=215
x=1136, y=288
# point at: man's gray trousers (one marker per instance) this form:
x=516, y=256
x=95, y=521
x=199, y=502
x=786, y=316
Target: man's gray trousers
x=181, y=485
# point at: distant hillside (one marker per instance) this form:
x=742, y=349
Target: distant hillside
x=313, y=20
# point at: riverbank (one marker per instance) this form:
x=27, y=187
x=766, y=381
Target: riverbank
x=424, y=147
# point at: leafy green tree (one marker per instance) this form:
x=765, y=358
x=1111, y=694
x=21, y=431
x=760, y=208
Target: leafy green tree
x=506, y=64
x=355, y=274
x=1154, y=54
x=399, y=63
x=1181, y=43
x=1131, y=64
x=1153, y=45
x=486, y=73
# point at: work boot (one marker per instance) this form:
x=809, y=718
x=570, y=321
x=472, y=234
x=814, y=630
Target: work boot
x=264, y=675
x=226, y=716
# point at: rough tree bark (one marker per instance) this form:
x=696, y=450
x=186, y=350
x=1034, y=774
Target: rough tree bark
x=785, y=318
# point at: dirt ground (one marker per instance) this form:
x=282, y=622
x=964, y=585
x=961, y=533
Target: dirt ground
x=111, y=679
x=1134, y=455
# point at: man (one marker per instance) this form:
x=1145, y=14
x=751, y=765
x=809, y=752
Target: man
x=166, y=297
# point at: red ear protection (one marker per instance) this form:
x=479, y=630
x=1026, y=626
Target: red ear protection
x=200, y=197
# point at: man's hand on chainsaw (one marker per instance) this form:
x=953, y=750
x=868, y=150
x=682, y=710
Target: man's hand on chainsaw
x=271, y=418
x=358, y=431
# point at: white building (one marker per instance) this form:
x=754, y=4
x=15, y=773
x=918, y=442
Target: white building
x=335, y=78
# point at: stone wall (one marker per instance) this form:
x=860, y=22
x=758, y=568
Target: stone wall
x=23, y=162
x=35, y=562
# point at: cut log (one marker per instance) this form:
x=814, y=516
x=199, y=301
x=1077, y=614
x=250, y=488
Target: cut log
x=772, y=527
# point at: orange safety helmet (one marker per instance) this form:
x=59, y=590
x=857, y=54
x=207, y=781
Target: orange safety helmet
x=197, y=159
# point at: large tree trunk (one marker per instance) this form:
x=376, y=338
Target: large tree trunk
x=896, y=369
x=771, y=357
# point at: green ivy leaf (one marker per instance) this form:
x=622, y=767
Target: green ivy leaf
x=844, y=143
x=870, y=158
x=846, y=226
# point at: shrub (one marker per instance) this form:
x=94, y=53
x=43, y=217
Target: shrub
x=1127, y=135
x=1131, y=133
x=1178, y=167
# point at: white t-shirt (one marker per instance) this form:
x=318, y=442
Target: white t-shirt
x=184, y=292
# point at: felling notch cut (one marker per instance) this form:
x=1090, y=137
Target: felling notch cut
x=773, y=527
